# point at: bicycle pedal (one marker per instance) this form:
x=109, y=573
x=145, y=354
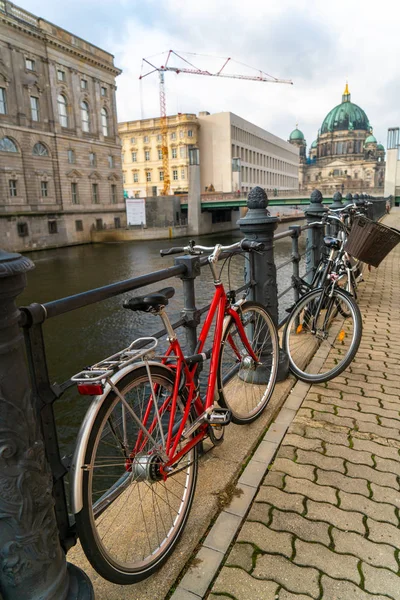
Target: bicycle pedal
x=219, y=416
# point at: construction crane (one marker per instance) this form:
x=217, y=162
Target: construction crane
x=191, y=69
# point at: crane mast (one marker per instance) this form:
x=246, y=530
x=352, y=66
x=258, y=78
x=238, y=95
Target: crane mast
x=164, y=135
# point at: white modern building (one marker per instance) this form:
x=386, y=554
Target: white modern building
x=392, y=173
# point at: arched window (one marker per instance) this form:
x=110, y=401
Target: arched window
x=104, y=121
x=7, y=145
x=40, y=149
x=62, y=110
x=85, y=117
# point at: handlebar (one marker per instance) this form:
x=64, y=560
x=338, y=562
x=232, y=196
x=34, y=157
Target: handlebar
x=193, y=249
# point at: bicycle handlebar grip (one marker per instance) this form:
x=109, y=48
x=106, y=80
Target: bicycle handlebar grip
x=249, y=245
x=174, y=250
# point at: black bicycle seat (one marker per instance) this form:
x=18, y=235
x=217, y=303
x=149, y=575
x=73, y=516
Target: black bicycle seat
x=332, y=242
x=150, y=301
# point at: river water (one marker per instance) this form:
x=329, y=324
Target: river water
x=85, y=336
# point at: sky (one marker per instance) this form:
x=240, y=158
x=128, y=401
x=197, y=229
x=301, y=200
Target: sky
x=318, y=44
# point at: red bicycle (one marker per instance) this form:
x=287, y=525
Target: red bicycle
x=135, y=466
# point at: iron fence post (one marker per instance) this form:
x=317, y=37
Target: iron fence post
x=337, y=203
x=258, y=225
x=315, y=234
x=190, y=312
x=32, y=563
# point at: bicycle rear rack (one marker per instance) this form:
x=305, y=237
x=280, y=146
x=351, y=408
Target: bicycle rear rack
x=108, y=366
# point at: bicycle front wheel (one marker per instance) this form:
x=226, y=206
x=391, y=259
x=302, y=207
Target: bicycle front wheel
x=244, y=385
x=322, y=335
x=132, y=517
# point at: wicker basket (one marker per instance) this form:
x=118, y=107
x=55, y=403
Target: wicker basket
x=371, y=242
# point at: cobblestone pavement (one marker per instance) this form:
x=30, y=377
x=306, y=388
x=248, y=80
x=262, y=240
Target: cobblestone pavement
x=325, y=521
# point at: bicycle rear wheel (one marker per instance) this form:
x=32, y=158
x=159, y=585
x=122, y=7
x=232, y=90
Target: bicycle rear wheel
x=322, y=343
x=131, y=517
x=244, y=386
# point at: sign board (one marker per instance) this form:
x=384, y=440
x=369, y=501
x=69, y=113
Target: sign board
x=135, y=211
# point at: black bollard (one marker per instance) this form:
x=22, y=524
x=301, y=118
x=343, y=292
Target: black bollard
x=337, y=203
x=32, y=563
x=315, y=234
x=259, y=225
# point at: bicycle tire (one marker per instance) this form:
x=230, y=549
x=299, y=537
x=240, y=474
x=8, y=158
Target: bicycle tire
x=245, y=388
x=339, y=322
x=145, y=520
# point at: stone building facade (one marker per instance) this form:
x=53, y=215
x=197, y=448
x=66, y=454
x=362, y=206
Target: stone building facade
x=60, y=154
x=142, y=154
x=345, y=155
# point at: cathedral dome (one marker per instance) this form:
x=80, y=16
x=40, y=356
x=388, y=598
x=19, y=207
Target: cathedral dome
x=380, y=147
x=314, y=144
x=296, y=135
x=371, y=139
x=345, y=116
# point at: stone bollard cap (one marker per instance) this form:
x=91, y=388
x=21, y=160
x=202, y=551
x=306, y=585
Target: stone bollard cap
x=12, y=263
x=257, y=198
x=337, y=200
x=315, y=205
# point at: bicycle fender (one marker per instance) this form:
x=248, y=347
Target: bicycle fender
x=78, y=460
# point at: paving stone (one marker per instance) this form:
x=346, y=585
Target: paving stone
x=274, y=478
x=327, y=418
x=284, y=595
x=199, y=576
x=381, y=581
x=386, y=422
x=384, y=432
x=292, y=468
x=241, y=555
x=300, y=580
x=253, y=474
x=265, y=452
x=319, y=460
x=275, y=433
x=383, y=532
x=266, y=539
x=260, y=511
x=297, y=428
x=383, y=464
x=333, y=589
x=342, y=566
x=241, y=501
x=343, y=519
x=320, y=406
x=386, y=479
x=342, y=482
x=320, y=493
x=385, y=494
x=280, y=499
x=349, y=454
x=303, y=443
x=288, y=452
x=384, y=451
x=330, y=436
x=181, y=594
x=303, y=528
x=375, y=510
x=345, y=403
x=379, y=555
x=362, y=400
x=356, y=415
x=222, y=532
x=242, y=586
x=286, y=416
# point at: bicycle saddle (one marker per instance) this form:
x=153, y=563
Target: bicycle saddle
x=145, y=303
x=332, y=242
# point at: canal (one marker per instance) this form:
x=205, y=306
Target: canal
x=84, y=336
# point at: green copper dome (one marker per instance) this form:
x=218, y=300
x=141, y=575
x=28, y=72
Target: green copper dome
x=296, y=135
x=345, y=116
x=314, y=144
x=380, y=147
x=371, y=139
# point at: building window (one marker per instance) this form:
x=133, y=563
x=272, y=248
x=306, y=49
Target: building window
x=173, y=152
x=7, y=145
x=79, y=225
x=62, y=110
x=133, y=140
x=160, y=155
x=22, y=229
x=60, y=75
x=148, y=176
x=190, y=133
x=181, y=134
x=182, y=152
x=135, y=177
x=44, y=189
x=159, y=138
x=146, y=139
x=114, y=194
x=161, y=175
x=175, y=175
x=147, y=155
x=104, y=121
x=3, y=105
x=84, y=84
x=99, y=224
x=53, y=226
x=92, y=159
x=34, y=108
x=117, y=222
x=134, y=156
x=111, y=161
x=12, y=184
x=183, y=176
x=85, y=116
x=74, y=193
x=30, y=64
x=104, y=91
x=173, y=136
x=40, y=149
x=95, y=193
x=71, y=157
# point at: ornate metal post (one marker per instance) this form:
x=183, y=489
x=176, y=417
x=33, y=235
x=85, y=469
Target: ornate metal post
x=349, y=199
x=190, y=312
x=32, y=563
x=259, y=225
x=315, y=234
x=337, y=203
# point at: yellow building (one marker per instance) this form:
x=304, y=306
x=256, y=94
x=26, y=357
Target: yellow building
x=142, y=163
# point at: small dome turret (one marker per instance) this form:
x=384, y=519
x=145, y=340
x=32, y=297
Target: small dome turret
x=371, y=139
x=296, y=135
